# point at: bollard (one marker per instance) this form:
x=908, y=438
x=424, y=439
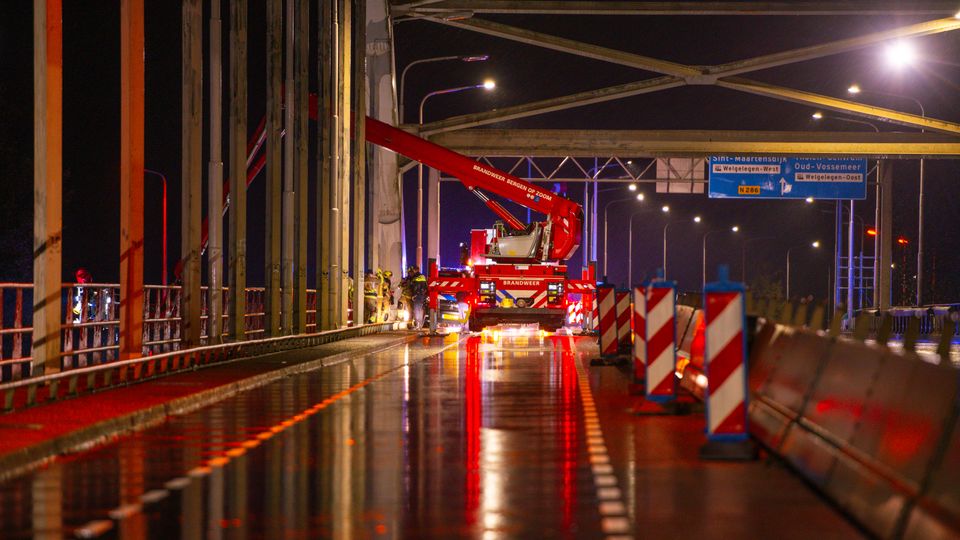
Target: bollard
x=607, y=334
x=725, y=361
x=639, y=339
x=661, y=380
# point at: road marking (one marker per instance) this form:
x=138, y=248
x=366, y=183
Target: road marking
x=614, y=522
x=94, y=529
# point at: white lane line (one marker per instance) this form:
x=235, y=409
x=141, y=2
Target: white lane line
x=125, y=511
x=153, y=496
x=177, y=483
x=614, y=523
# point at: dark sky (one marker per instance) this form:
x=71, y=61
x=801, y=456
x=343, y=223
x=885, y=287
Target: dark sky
x=523, y=73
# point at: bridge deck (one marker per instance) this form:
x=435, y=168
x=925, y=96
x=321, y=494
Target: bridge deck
x=481, y=439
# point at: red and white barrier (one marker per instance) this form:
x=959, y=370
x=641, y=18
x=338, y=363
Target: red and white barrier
x=725, y=355
x=623, y=320
x=607, y=321
x=661, y=342
x=639, y=333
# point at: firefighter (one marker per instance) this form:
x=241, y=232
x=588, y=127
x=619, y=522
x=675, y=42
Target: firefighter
x=384, y=295
x=414, y=294
x=370, y=296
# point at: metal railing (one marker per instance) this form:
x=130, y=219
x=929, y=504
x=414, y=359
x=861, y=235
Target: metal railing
x=90, y=328
x=81, y=380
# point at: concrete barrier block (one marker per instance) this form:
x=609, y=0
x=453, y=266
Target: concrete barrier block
x=902, y=425
x=937, y=514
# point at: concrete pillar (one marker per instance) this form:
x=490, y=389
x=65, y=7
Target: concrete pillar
x=238, y=168
x=289, y=202
x=131, y=178
x=215, y=181
x=47, y=186
x=885, y=231
x=359, y=159
x=344, y=89
x=325, y=95
x=272, y=302
x=301, y=175
x=386, y=216
x=192, y=173
x=433, y=215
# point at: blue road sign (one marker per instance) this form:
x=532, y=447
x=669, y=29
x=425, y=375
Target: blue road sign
x=763, y=177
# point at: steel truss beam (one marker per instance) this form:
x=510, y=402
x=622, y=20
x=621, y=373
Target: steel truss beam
x=537, y=7
x=679, y=75
x=629, y=144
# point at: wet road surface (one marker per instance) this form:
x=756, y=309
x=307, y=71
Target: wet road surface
x=509, y=438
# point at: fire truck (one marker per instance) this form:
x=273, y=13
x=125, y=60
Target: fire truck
x=516, y=272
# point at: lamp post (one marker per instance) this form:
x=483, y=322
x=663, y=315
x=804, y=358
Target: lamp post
x=735, y=228
x=901, y=54
x=815, y=244
x=696, y=219
x=403, y=74
x=486, y=85
x=163, y=179
x=639, y=197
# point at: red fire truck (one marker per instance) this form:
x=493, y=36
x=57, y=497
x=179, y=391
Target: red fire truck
x=516, y=271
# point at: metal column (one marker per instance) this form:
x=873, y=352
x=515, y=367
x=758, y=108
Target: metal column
x=192, y=173
x=359, y=160
x=325, y=42
x=289, y=195
x=47, y=186
x=131, y=178
x=433, y=215
x=273, y=194
x=301, y=179
x=885, y=231
x=215, y=181
x=346, y=135
x=238, y=169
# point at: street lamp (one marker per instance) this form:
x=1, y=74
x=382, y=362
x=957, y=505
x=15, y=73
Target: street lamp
x=815, y=244
x=163, y=179
x=403, y=74
x=820, y=116
x=640, y=197
x=696, y=219
x=735, y=228
x=900, y=54
x=486, y=85
x=904, y=56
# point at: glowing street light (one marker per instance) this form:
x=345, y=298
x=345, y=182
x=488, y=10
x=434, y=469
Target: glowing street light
x=817, y=115
x=900, y=54
x=665, y=209
x=632, y=187
x=640, y=197
x=489, y=84
x=696, y=219
x=809, y=200
x=735, y=228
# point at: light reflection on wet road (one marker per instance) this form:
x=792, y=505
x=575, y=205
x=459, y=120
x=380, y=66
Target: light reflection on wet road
x=478, y=440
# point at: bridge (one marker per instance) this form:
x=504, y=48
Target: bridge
x=202, y=339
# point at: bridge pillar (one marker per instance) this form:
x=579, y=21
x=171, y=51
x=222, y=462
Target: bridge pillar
x=215, y=181
x=131, y=178
x=47, y=186
x=341, y=229
x=433, y=214
x=192, y=173
x=325, y=162
x=237, y=277
x=359, y=158
x=385, y=221
x=271, y=275
x=301, y=59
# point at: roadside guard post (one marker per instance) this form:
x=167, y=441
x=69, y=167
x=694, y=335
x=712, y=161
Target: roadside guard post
x=606, y=300
x=433, y=296
x=725, y=360
x=639, y=338
x=623, y=321
x=661, y=331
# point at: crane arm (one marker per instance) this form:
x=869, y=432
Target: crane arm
x=565, y=215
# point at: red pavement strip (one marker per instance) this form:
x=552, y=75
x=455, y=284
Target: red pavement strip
x=34, y=435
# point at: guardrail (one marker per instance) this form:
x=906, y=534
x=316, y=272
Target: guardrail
x=90, y=331
x=82, y=380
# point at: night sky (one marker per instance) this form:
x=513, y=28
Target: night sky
x=523, y=73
